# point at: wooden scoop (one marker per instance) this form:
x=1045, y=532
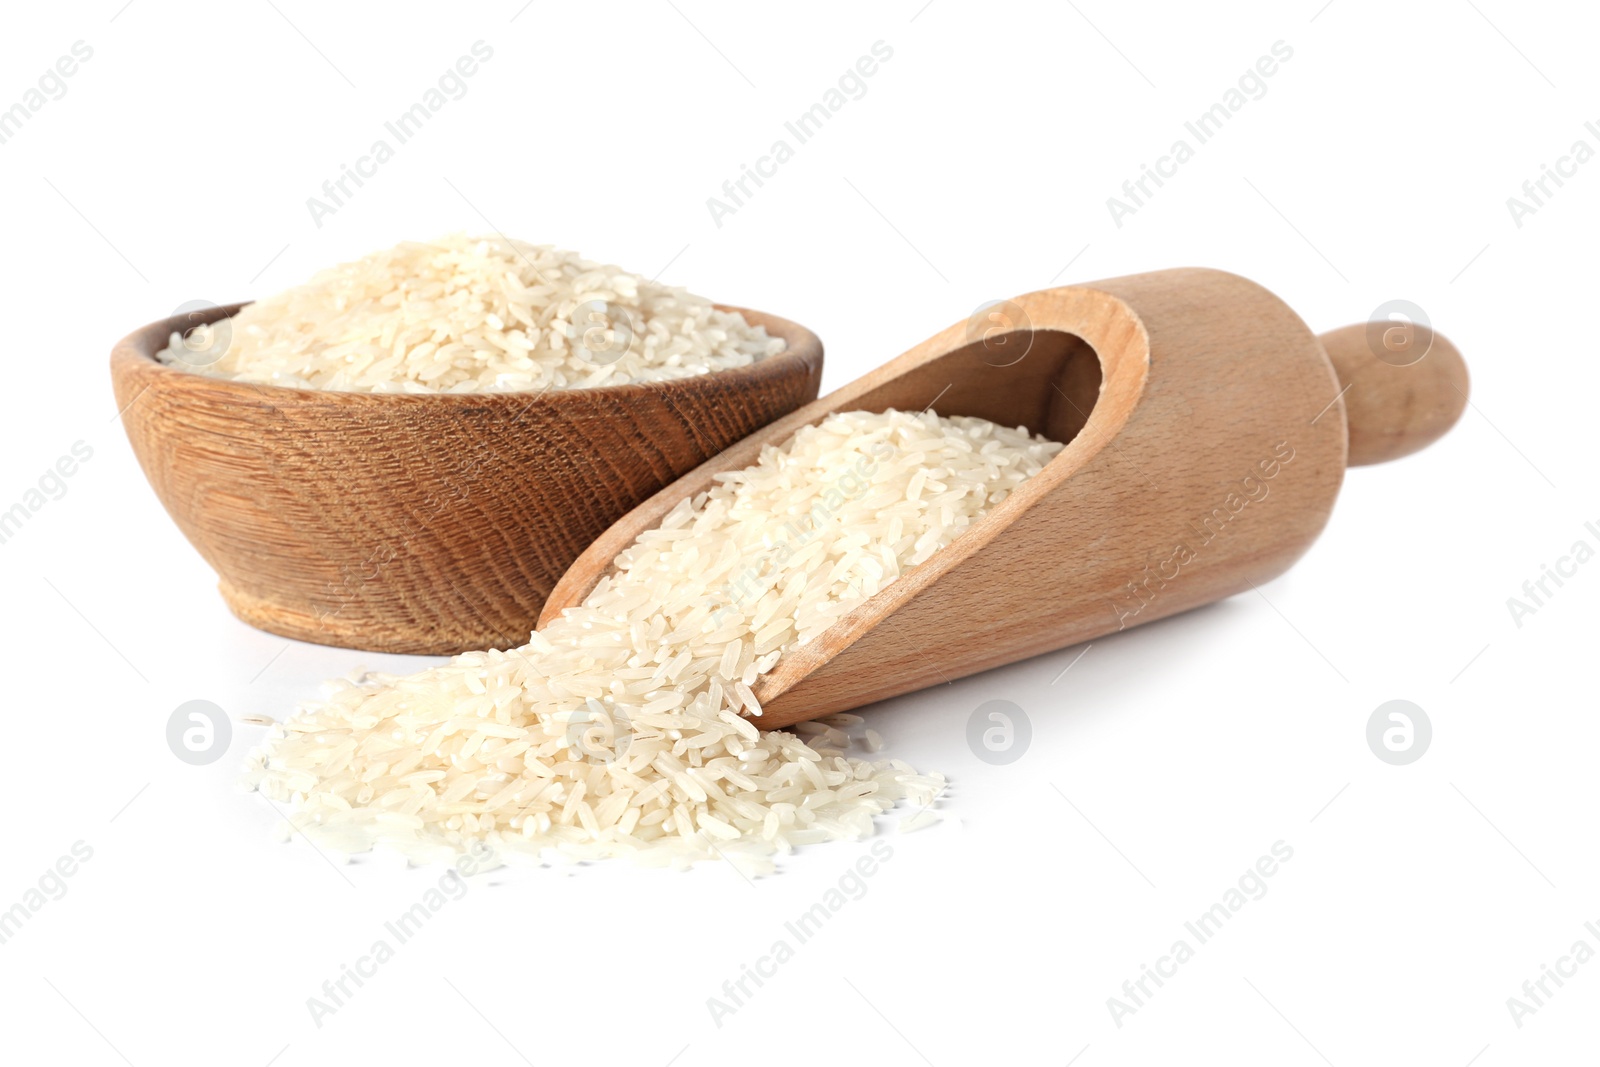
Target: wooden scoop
x=1207, y=433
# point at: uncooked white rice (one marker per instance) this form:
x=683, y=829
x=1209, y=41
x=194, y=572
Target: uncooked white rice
x=469, y=315
x=621, y=728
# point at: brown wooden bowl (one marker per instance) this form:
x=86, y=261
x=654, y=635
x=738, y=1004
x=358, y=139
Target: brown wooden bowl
x=427, y=524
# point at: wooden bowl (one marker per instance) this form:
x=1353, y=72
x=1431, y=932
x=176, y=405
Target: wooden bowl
x=427, y=524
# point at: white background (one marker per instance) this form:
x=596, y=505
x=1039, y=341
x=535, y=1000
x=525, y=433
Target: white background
x=977, y=166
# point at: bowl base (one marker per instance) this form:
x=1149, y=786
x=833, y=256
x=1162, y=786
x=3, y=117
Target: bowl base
x=351, y=628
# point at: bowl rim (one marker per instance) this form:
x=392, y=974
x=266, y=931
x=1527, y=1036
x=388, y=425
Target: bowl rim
x=135, y=355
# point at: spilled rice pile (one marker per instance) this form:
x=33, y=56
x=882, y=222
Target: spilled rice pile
x=628, y=726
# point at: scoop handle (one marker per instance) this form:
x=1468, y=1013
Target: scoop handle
x=1403, y=386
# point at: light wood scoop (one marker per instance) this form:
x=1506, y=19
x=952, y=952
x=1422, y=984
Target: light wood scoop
x=1207, y=433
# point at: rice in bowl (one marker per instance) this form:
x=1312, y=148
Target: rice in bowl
x=471, y=315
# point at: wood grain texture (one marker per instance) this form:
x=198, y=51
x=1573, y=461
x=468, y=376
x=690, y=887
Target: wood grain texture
x=1206, y=443
x=1401, y=395
x=421, y=524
